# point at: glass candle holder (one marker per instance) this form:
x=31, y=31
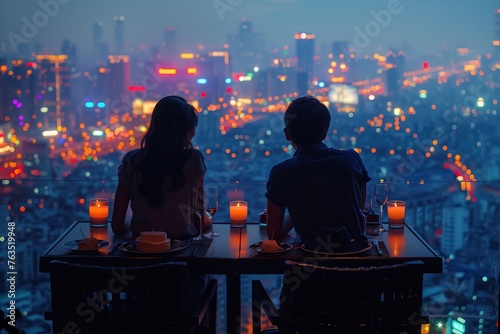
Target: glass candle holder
x=98, y=212
x=238, y=213
x=396, y=213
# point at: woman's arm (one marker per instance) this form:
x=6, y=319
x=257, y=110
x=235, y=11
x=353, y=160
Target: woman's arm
x=277, y=225
x=122, y=199
x=206, y=222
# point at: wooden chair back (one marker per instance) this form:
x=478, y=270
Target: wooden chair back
x=320, y=299
x=94, y=299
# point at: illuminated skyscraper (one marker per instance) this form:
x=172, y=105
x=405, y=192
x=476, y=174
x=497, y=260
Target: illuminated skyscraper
x=496, y=40
x=4, y=89
x=305, y=61
x=247, y=49
x=340, y=50
x=97, y=32
x=101, y=48
x=119, y=33
x=395, y=61
x=115, y=78
x=18, y=94
x=341, y=63
x=54, y=86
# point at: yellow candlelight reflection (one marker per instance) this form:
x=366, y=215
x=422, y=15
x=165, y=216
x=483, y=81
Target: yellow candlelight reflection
x=396, y=241
x=234, y=242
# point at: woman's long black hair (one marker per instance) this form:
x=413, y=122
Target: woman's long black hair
x=165, y=148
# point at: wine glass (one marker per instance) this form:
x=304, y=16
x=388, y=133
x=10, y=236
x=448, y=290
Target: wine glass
x=199, y=211
x=212, y=206
x=366, y=206
x=381, y=194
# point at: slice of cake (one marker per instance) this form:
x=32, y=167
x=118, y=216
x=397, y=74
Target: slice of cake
x=152, y=241
x=88, y=244
x=270, y=246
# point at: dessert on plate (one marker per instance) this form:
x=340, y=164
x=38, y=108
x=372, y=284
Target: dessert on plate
x=88, y=244
x=152, y=241
x=270, y=246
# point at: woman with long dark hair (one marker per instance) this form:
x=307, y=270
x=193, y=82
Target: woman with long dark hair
x=163, y=180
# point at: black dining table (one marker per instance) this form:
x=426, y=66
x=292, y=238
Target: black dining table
x=234, y=253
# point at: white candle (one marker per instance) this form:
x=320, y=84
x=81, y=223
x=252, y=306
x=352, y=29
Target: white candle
x=238, y=212
x=396, y=213
x=98, y=211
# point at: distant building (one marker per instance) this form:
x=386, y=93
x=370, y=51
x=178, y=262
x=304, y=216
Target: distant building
x=114, y=78
x=54, y=87
x=496, y=38
x=305, y=61
x=19, y=81
x=247, y=49
x=341, y=61
x=119, y=34
x=275, y=81
x=170, y=43
x=215, y=68
x=97, y=29
x=394, y=68
x=100, y=47
x=68, y=48
x=455, y=229
x=4, y=89
x=33, y=151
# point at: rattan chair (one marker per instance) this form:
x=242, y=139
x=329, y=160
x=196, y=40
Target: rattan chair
x=146, y=299
x=319, y=299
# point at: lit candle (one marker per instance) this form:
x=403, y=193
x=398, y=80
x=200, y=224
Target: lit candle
x=98, y=211
x=396, y=213
x=238, y=212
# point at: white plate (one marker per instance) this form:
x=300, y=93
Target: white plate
x=284, y=248
x=73, y=245
x=175, y=246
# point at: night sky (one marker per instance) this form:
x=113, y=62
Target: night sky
x=425, y=25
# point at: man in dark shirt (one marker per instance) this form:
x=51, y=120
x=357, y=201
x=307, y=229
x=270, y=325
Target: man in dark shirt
x=319, y=186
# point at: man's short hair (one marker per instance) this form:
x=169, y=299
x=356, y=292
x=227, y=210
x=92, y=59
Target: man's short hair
x=307, y=120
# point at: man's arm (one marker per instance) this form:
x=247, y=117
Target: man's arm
x=277, y=225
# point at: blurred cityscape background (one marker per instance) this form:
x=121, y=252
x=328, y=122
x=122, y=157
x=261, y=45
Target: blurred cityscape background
x=425, y=121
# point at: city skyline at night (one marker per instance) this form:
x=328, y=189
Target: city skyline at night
x=422, y=26
x=412, y=86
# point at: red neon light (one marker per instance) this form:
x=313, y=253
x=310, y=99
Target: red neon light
x=136, y=88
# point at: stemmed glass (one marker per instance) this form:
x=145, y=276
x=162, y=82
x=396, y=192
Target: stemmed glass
x=381, y=194
x=366, y=207
x=212, y=206
x=199, y=210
